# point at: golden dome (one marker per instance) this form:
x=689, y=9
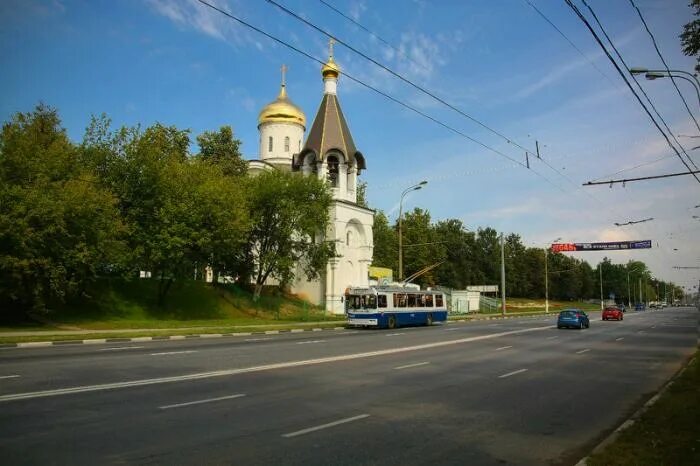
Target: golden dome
x=330, y=69
x=282, y=110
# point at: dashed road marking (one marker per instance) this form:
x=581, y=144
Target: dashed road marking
x=553, y=338
x=503, y=347
x=394, y=334
x=412, y=365
x=619, y=339
x=120, y=348
x=9, y=376
x=199, y=402
x=310, y=342
x=583, y=351
x=519, y=371
x=257, y=339
x=168, y=353
x=325, y=426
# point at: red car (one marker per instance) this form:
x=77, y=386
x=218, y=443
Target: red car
x=612, y=313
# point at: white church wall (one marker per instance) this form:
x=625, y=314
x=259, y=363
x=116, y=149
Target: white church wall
x=278, y=132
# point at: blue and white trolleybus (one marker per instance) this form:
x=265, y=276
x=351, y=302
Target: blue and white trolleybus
x=391, y=307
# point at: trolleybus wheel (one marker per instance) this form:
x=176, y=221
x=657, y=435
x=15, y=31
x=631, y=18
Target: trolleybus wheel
x=392, y=322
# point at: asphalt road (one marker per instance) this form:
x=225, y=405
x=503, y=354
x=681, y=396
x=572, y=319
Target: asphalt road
x=516, y=391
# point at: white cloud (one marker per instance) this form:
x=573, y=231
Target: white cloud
x=356, y=9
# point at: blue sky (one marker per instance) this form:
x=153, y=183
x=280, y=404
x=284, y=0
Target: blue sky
x=180, y=63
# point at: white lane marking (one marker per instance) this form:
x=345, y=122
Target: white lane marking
x=297, y=330
x=268, y=367
x=519, y=371
x=94, y=341
x=35, y=344
x=503, y=347
x=316, y=329
x=176, y=337
x=552, y=338
x=619, y=339
x=9, y=376
x=257, y=339
x=120, y=348
x=168, y=353
x=412, y=365
x=272, y=332
x=394, y=334
x=583, y=351
x=653, y=326
x=211, y=335
x=452, y=329
x=199, y=402
x=310, y=342
x=142, y=339
x=325, y=426
x=641, y=331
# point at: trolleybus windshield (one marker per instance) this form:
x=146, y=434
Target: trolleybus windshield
x=362, y=301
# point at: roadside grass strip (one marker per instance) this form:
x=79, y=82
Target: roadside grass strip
x=199, y=402
x=325, y=426
x=664, y=431
x=248, y=370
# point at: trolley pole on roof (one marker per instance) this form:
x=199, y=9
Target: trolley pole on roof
x=503, y=277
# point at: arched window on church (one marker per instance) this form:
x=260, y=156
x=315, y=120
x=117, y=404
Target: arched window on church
x=269, y=144
x=348, y=238
x=286, y=143
x=333, y=171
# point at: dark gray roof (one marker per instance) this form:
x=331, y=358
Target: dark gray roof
x=330, y=131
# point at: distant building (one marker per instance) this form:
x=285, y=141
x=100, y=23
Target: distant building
x=328, y=153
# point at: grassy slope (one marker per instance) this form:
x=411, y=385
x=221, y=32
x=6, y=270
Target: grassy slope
x=668, y=433
x=117, y=304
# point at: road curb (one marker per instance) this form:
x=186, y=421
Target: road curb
x=636, y=415
x=206, y=336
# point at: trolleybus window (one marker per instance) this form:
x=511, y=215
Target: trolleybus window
x=381, y=300
x=438, y=300
x=365, y=301
x=411, y=300
x=428, y=300
x=399, y=300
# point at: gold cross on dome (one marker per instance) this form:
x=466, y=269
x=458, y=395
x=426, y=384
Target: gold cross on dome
x=331, y=41
x=284, y=71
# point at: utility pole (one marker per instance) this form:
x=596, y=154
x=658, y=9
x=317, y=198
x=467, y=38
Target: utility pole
x=546, y=282
x=629, y=298
x=640, y=290
x=600, y=269
x=503, y=276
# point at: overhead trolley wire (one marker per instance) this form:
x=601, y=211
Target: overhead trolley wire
x=382, y=93
x=376, y=36
x=585, y=21
x=663, y=60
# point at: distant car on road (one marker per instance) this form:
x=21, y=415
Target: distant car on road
x=621, y=307
x=639, y=307
x=612, y=313
x=573, y=318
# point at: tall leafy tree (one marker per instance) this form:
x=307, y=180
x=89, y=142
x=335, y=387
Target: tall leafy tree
x=220, y=148
x=690, y=37
x=59, y=228
x=385, y=252
x=289, y=217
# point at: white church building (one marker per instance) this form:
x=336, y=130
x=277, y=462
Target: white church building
x=329, y=153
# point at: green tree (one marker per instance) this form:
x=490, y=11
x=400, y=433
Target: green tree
x=220, y=148
x=59, y=228
x=385, y=252
x=289, y=216
x=420, y=248
x=690, y=37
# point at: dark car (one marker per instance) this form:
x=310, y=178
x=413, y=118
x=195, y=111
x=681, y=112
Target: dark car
x=612, y=313
x=639, y=307
x=573, y=318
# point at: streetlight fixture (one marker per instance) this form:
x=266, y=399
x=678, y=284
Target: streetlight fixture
x=415, y=187
x=546, y=277
x=652, y=75
x=639, y=70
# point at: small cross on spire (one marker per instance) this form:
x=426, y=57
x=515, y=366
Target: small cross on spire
x=331, y=41
x=284, y=71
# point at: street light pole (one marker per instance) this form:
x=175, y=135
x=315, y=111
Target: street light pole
x=503, y=276
x=600, y=270
x=652, y=75
x=546, y=277
x=415, y=187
